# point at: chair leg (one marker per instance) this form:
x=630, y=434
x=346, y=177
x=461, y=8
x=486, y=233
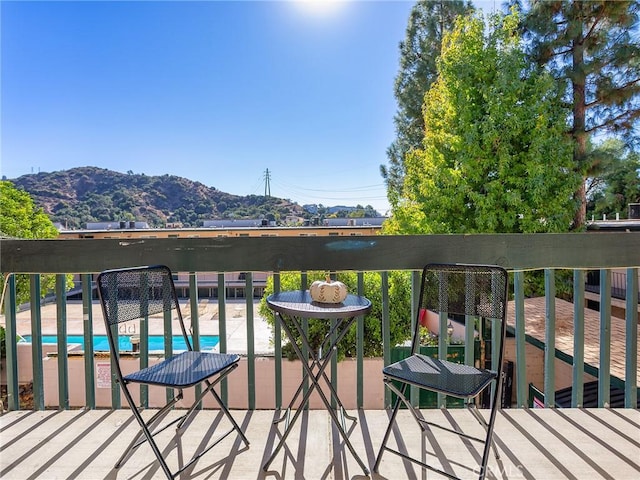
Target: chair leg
x=147, y=433
x=388, y=432
x=149, y=437
x=224, y=408
x=489, y=441
x=478, y=416
x=226, y=411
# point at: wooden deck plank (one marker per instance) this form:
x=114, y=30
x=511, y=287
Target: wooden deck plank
x=533, y=444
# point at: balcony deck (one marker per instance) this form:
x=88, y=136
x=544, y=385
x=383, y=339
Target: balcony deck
x=533, y=444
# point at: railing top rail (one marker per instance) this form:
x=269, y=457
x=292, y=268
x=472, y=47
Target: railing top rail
x=370, y=253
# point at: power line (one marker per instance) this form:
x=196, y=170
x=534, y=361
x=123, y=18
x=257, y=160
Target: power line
x=362, y=194
x=355, y=192
x=322, y=196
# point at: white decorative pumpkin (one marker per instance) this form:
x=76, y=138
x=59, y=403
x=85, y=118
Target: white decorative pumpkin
x=328, y=291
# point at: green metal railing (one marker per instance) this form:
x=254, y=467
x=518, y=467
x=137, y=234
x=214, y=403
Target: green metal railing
x=518, y=253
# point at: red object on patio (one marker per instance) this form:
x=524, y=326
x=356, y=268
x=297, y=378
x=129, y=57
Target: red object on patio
x=423, y=317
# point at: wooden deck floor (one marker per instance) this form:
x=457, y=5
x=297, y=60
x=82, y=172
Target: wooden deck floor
x=533, y=444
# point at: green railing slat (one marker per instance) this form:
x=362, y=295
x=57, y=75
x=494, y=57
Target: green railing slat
x=195, y=321
x=36, y=342
x=416, y=279
x=277, y=347
x=222, y=328
x=604, y=369
x=168, y=344
x=193, y=309
x=11, y=340
x=522, y=391
x=550, y=339
x=360, y=348
x=144, y=344
x=495, y=327
x=251, y=350
x=386, y=333
x=577, y=393
x=631, y=343
x=87, y=331
x=304, y=282
x=469, y=331
x=61, y=330
x=334, y=356
x=443, y=346
x=116, y=401
x=469, y=347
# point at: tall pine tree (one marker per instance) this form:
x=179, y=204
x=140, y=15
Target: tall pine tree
x=428, y=22
x=593, y=49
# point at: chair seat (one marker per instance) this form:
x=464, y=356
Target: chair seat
x=454, y=379
x=183, y=370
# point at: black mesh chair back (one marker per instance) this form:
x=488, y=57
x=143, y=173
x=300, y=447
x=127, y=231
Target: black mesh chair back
x=472, y=292
x=136, y=293
x=139, y=293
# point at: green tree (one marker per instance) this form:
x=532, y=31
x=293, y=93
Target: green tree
x=593, y=50
x=20, y=218
x=428, y=22
x=495, y=157
x=369, y=211
x=399, y=302
x=619, y=183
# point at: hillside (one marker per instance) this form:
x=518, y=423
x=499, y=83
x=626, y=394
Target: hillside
x=90, y=194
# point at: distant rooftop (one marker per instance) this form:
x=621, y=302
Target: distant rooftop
x=236, y=223
x=119, y=225
x=631, y=224
x=326, y=222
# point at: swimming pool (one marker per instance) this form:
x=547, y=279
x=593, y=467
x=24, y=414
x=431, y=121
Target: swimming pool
x=156, y=342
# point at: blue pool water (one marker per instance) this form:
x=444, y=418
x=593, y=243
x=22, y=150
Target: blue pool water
x=156, y=342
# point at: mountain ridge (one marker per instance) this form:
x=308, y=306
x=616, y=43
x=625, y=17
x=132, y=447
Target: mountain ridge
x=82, y=195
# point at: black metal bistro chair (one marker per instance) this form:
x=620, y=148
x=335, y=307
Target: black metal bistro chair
x=475, y=292
x=136, y=294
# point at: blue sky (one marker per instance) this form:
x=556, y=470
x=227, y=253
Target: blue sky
x=217, y=92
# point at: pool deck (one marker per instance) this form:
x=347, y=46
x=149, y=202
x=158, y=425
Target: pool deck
x=236, y=322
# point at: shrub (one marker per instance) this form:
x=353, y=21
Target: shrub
x=399, y=311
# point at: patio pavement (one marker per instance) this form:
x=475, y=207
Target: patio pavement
x=540, y=444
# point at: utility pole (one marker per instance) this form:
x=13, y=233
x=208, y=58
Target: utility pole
x=267, y=183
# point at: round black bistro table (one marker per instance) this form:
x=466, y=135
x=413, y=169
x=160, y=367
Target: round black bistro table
x=295, y=306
